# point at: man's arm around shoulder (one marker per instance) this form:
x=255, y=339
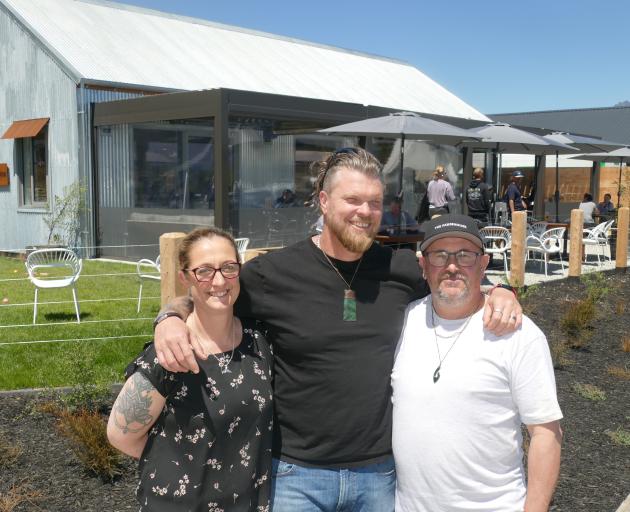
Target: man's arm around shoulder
x=174, y=346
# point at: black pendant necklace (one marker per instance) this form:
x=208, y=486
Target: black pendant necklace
x=436, y=373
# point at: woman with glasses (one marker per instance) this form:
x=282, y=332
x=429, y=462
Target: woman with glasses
x=204, y=439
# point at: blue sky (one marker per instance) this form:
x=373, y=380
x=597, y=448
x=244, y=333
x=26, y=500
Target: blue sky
x=498, y=55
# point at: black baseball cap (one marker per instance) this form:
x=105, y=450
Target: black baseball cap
x=451, y=225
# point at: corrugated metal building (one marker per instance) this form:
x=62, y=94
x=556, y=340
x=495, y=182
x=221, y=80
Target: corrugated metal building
x=61, y=57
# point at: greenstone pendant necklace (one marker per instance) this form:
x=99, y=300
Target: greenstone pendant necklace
x=349, y=295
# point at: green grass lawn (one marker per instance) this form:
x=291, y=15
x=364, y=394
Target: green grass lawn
x=108, y=316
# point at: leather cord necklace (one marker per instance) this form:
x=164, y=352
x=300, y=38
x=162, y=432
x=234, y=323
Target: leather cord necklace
x=349, y=295
x=436, y=373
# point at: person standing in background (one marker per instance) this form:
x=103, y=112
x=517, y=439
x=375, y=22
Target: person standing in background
x=478, y=197
x=513, y=196
x=440, y=192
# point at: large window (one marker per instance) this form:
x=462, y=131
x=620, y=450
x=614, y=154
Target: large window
x=154, y=178
x=33, y=169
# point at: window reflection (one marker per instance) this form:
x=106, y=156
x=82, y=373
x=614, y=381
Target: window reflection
x=272, y=185
x=173, y=168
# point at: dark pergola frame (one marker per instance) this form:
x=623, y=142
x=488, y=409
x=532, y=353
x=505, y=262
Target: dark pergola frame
x=220, y=104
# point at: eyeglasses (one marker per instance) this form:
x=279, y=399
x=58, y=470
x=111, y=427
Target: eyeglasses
x=463, y=258
x=206, y=274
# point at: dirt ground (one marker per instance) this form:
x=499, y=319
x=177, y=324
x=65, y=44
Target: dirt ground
x=595, y=472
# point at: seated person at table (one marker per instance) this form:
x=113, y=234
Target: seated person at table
x=606, y=207
x=589, y=208
x=398, y=221
x=286, y=200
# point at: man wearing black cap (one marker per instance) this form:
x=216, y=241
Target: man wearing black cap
x=460, y=393
x=513, y=194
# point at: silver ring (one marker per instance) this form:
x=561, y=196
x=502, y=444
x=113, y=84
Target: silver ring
x=497, y=311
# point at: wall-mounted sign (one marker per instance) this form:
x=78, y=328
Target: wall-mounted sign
x=4, y=175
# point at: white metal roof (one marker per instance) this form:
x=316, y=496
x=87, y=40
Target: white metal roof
x=108, y=42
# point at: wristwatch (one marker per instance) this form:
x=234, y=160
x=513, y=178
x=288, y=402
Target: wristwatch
x=500, y=285
x=164, y=316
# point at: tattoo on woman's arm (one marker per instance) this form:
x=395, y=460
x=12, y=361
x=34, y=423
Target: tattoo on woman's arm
x=133, y=405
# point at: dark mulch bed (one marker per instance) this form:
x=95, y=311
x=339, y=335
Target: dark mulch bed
x=595, y=471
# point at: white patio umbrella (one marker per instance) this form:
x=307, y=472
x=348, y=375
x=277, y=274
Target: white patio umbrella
x=620, y=155
x=503, y=138
x=582, y=143
x=405, y=125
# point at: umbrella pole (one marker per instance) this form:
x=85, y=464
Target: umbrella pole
x=400, y=180
x=557, y=193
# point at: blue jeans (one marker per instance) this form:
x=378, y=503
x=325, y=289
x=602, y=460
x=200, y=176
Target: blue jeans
x=362, y=489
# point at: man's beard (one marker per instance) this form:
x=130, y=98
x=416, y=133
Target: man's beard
x=450, y=299
x=351, y=240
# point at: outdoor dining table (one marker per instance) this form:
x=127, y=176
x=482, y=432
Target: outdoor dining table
x=398, y=240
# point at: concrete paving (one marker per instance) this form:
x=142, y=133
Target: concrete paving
x=535, y=270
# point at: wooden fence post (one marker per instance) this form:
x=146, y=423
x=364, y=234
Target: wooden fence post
x=169, y=266
x=622, y=239
x=575, y=243
x=519, y=235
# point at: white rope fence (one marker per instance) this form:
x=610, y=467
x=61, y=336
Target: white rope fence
x=5, y=343
x=73, y=323
x=72, y=302
x=115, y=274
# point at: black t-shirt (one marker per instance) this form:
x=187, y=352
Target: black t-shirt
x=514, y=193
x=332, y=377
x=478, y=197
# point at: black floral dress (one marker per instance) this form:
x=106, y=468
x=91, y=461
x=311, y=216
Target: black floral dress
x=210, y=449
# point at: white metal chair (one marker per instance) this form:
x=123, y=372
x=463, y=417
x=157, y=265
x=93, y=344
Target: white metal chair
x=497, y=240
x=241, y=246
x=537, y=228
x=147, y=269
x=500, y=213
x=550, y=242
x=598, y=237
x=65, y=267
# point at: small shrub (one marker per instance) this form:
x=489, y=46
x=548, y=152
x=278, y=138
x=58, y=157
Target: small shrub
x=89, y=392
x=619, y=372
x=596, y=286
x=621, y=307
x=580, y=340
x=558, y=351
x=87, y=433
x=625, y=345
x=91, y=397
x=9, y=452
x=19, y=494
x=620, y=436
x=578, y=317
x=589, y=391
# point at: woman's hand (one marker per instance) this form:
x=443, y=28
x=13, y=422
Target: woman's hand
x=502, y=313
x=176, y=348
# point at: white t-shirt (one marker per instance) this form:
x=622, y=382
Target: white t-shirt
x=457, y=442
x=588, y=209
